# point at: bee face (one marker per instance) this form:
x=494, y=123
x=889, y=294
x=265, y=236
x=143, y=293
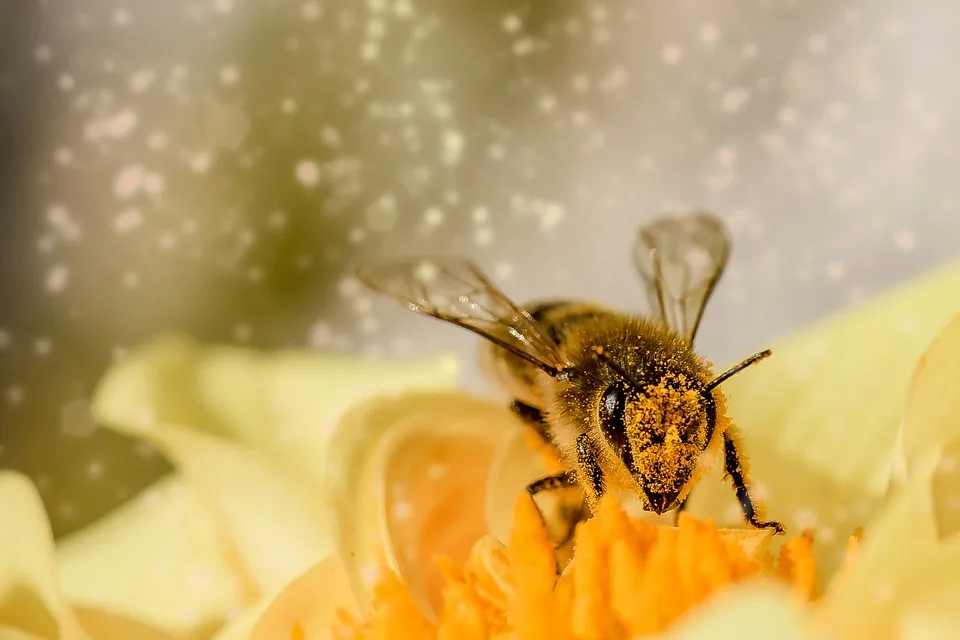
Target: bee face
x=658, y=431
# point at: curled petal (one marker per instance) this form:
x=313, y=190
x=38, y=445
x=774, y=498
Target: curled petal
x=407, y=476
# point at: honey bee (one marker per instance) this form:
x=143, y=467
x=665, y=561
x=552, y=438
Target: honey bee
x=623, y=400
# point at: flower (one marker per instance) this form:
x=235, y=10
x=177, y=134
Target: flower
x=204, y=550
x=281, y=459
x=832, y=448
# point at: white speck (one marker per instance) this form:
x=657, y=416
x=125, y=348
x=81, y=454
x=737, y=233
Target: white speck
x=893, y=29
x=369, y=50
x=433, y=217
x=835, y=270
x=63, y=156
x=331, y=137
x=122, y=124
x=243, y=332
x=382, y=214
x=58, y=216
x=130, y=279
x=128, y=181
x=806, y=518
x=42, y=53
x=749, y=51
x=255, y=274
x=453, y=143
x=369, y=325
x=153, y=183
x=320, y=335
x=671, y=54
x=905, y=241
x=726, y=156
x=817, y=43
x=788, y=116
x=837, y=110
x=66, y=82
x=42, y=346
x=349, y=287
x=95, y=470
x=883, y=591
x=580, y=83
x=524, y=46
x=57, y=277
x=310, y=11
x=288, y=105
x=140, y=80
x=370, y=573
x=503, y=269
x=550, y=216
x=223, y=6
x=201, y=162
x=483, y=236
x=511, y=23
x=481, y=214
x=426, y=271
x=229, y=75
x=5, y=338
x=437, y=470
x=15, y=395
x=277, y=220
x=167, y=241
x=121, y=17
x=734, y=98
x=127, y=220
x=308, y=173
x=547, y=103
x=356, y=235
x=157, y=140
x=403, y=8
x=709, y=33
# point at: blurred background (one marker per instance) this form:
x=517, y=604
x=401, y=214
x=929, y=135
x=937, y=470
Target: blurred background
x=216, y=167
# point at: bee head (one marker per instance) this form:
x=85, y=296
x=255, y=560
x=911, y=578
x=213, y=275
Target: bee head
x=658, y=431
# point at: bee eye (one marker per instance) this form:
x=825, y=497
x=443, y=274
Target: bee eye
x=611, y=410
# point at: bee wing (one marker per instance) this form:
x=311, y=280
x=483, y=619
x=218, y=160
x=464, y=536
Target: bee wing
x=455, y=290
x=680, y=259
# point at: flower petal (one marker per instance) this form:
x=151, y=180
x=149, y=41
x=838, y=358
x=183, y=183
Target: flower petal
x=886, y=587
x=819, y=419
x=310, y=602
x=158, y=560
x=30, y=599
x=283, y=403
x=752, y=610
x=407, y=476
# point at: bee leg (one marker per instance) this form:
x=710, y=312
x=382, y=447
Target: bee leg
x=552, y=483
x=680, y=509
x=735, y=470
x=587, y=461
x=533, y=418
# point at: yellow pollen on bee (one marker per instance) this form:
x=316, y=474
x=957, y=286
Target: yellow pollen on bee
x=628, y=577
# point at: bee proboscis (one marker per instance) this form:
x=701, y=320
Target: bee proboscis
x=623, y=399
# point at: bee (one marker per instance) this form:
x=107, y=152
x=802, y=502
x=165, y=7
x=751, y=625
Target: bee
x=623, y=399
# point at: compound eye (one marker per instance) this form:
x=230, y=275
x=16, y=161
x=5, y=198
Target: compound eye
x=611, y=413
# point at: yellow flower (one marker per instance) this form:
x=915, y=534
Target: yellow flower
x=203, y=551
x=855, y=421
x=300, y=477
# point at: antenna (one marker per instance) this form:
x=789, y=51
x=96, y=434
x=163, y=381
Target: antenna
x=732, y=371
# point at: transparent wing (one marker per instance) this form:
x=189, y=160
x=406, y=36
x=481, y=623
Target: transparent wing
x=680, y=259
x=454, y=290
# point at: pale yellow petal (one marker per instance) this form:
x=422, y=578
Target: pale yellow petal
x=310, y=602
x=932, y=415
x=11, y=633
x=755, y=610
x=285, y=403
x=31, y=601
x=101, y=625
x=513, y=467
x=819, y=418
x=898, y=547
x=407, y=477
x=159, y=560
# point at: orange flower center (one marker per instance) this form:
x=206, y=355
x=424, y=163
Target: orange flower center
x=628, y=577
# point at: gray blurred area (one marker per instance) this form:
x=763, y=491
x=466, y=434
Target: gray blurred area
x=216, y=167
